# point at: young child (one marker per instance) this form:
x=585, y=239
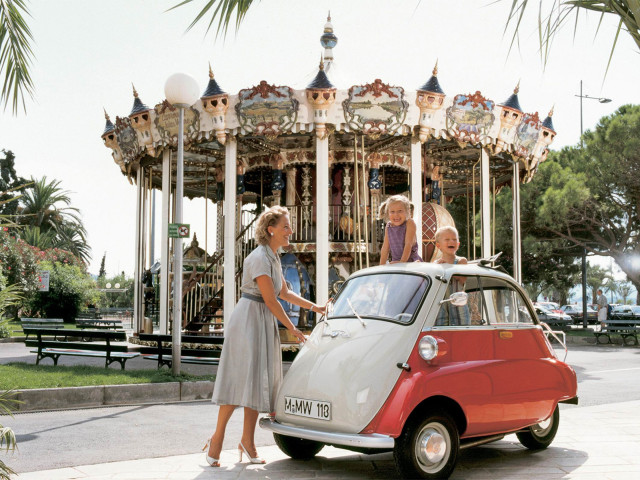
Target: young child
x=447, y=242
x=400, y=234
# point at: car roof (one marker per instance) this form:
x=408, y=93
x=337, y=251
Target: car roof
x=431, y=269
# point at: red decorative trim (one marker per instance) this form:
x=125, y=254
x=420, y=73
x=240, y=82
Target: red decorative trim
x=377, y=88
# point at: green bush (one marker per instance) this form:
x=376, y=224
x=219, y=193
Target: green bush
x=70, y=289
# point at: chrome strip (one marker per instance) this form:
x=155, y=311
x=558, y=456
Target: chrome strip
x=373, y=440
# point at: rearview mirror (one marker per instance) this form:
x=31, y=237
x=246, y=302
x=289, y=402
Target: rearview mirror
x=457, y=299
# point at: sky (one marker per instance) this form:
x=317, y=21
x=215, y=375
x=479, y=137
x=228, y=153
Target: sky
x=88, y=54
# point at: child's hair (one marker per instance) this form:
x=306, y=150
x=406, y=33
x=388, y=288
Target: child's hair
x=446, y=228
x=384, y=208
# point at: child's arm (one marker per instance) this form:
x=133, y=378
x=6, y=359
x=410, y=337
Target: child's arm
x=409, y=239
x=384, y=253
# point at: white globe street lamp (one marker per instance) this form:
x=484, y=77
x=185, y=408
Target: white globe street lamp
x=181, y=91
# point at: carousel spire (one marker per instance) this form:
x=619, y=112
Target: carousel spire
x=328, y=40
x=212, y=88
x=138, y=106
x=216, y=102
x=512, y=102
x=321, y=81
x=109, y=127
x=432, y=84
x=548, y=123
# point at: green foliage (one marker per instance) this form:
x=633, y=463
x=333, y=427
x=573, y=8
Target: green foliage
x=9, y=297
x=103, y=272
x=116, y=299
x=10, y=186
x=18, y=260
x=70, y=290
x=223, y=11
x=15, y=53
x=27, y=376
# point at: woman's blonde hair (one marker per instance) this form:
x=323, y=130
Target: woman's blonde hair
x=446, y=228
x=268, y=218
x=384, y=208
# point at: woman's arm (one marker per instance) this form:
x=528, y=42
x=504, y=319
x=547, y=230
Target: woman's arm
x=269, y=296
x=292, y=297
x=409, y=238
x=384, y=253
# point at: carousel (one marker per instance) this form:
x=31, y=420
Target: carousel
x=330, y=154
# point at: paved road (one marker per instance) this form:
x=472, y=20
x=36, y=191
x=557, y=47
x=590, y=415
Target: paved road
x=79, y=437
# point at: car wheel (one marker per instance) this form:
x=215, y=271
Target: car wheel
x=297, y=448
x=428, y=449
x=540, y=435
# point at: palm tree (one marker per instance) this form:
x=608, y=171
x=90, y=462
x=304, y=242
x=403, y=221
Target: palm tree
x=41, y=205
x=15, y=53
x=550, y=22
x=50, y=221
x=224, y=12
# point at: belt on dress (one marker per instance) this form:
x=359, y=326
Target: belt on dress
x=255, y=298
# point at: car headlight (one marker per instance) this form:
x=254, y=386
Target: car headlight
x=428, y=347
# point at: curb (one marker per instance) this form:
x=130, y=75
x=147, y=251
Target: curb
x=40, y=399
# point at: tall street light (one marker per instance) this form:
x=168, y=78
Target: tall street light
x=584, y=249
x=181, y=91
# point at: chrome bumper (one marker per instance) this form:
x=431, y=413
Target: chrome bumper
x=372, y=440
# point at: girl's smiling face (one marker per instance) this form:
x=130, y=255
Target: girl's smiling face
x=397, y=214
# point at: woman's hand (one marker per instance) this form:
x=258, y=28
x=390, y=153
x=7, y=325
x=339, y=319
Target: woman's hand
x=299, y=335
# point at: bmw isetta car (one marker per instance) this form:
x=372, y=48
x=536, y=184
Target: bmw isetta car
x=423, y=360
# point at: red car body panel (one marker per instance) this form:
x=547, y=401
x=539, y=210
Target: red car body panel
x=503, y=379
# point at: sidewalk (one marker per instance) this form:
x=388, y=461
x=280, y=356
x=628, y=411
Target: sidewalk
x=599, y=442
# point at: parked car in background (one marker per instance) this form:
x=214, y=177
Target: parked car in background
x=575, y=312
x=405, y=363
x=623, y=312
x=553, y=306
x=560, y=321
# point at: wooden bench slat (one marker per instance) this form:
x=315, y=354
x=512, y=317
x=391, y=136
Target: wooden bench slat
x=627, y=328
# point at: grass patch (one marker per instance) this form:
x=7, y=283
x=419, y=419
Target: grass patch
x=25, y=376
x=580, y=332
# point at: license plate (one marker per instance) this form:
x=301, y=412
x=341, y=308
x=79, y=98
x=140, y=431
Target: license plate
x=307, y=408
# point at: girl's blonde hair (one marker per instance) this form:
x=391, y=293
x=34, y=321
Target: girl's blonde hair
x=268, y=218
x=384, y=208
x=446, y=228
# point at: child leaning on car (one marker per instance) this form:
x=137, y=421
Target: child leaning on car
x=447, y=242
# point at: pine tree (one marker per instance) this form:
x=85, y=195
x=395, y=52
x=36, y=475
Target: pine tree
x=102, y=272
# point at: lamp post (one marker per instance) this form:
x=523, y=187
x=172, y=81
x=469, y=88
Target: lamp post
x=584, y=249
x=181, y=91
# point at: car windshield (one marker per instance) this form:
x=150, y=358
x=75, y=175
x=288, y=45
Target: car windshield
x=544, y=310
x=388, y=296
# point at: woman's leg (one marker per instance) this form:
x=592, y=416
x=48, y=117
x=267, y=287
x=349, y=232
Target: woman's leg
x=249, y=431
x=224, y=414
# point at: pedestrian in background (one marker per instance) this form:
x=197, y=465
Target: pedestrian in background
x=601, y=300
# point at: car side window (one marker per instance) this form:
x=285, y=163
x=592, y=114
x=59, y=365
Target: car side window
x=507, y=306
x=470, y=314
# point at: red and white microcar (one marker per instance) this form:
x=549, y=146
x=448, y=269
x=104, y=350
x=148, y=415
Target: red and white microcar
x=406, y=362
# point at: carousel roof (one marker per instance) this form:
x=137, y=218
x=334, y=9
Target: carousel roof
x=512, y=101
x=109, y=127
x=277, y=125
x=548, y=123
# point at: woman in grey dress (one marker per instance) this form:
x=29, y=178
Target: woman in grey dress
x=250, y=369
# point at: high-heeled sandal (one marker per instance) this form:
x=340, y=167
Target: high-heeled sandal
x=213, y=462
x=251, y=459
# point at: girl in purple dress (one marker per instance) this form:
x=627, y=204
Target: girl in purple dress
x=400, y=232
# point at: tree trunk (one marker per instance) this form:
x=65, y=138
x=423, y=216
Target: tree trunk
x=626, y=264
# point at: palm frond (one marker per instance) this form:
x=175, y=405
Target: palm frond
x=15, y=54
x=223, y=11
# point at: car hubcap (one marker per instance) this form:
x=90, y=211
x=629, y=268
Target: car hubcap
x=432, y=446
x=542, y=428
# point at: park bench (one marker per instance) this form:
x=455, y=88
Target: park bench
x=90, y=314
x=99, y=324
x=628, y=329
x=192, y=350
x=28, y=324
x=100, y=346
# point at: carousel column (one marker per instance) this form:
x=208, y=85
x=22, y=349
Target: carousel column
x=229, y=299
x=416, y=185
x=138, y=312
x=277, y=185
x=375, y=185
x=219, y=209
x=290, y=199
x=485, y=217
x=164, y=243
x=517, y=257
x=322, y=220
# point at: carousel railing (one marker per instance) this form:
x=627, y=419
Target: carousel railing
x=344, y=225
x=206, y=287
